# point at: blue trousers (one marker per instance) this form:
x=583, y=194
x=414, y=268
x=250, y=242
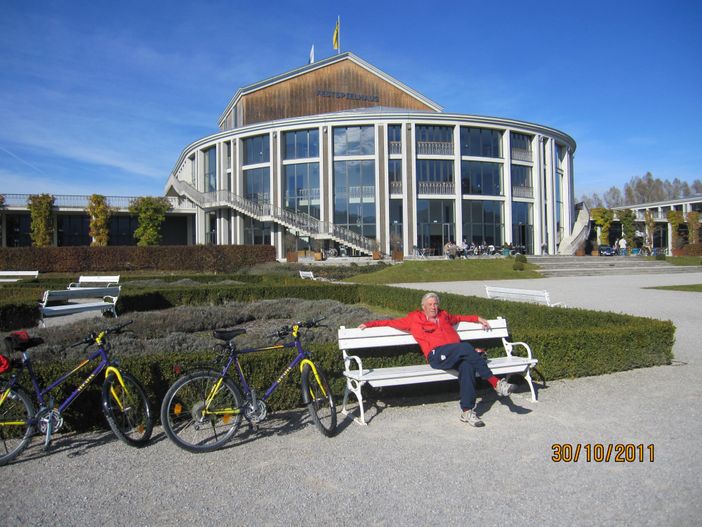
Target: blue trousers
x=463, y=358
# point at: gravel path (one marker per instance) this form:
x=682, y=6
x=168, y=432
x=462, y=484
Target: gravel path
x=415, y=464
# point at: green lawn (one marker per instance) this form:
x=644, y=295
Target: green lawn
x=684, y=260
x=695, y=288
x=447, y=271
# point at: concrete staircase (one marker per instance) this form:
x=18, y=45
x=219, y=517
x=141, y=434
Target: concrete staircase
x=605, y=265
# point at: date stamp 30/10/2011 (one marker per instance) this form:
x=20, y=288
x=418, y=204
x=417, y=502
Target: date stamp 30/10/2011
x=602, y=453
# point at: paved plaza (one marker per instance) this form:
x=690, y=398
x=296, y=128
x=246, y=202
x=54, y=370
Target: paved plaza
x=416, y=464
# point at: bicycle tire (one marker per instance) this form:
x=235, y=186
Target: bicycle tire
x=319, y=400
x=127, y=409
x=17, y=407
x=183, y=417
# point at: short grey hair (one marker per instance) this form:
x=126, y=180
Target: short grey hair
x=428, y=296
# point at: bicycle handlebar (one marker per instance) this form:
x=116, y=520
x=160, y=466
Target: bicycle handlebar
x=92, y=337
x=286, y=330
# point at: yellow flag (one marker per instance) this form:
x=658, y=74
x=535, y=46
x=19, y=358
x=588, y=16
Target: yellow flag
x=335, y=38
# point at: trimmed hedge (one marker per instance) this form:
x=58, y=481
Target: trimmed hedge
x=568, y=342
x=205, y=258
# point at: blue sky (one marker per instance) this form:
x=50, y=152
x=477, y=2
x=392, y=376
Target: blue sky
x=101, y=97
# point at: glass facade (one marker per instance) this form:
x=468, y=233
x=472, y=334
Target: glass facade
x=122, y=229
x=481, y=142
x=354, y=141
x=435, y=224
x=522, y=228
x=72, y=229
x=210, y=158
x=256, y=232
x=257, y=185
x=301, y=144
x=478, y=177
x=256, y=150
x=483, y=222
x=395, y=175
x=301, y=192
x=354, y=196
x=396, y=224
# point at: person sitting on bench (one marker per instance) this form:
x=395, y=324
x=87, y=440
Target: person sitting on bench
x=433, y=329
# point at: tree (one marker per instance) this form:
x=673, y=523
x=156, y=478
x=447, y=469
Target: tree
x=627, y=219
x=592, y=201
x=613, y=198
x=646, y=189
x=151, y=213
x=42, y=228
x=693, y=227
x=603, y=218
x=99, y=212
x=675, y=218
x=696, y=187
x=650, y=223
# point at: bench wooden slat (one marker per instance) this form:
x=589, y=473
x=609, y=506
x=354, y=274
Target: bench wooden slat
x=16, y=276
x=369, y=338
x=93, y=281
x=521, y=295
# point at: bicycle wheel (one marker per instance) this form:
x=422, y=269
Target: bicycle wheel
x=194, y=424
x=317, y=395
x=127, y=409
x=16, y=427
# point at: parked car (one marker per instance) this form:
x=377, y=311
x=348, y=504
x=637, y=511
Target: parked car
x=606, y=250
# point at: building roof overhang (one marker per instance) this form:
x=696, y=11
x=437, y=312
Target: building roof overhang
x=318, y=65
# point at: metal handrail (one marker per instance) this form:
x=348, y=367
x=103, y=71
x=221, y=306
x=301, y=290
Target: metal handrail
x=81, y=202
x=267, y=211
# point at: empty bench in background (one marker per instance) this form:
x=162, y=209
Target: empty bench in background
x=94, y=281
x=521, y=295
x=357, y=340
x=16, y=276
x=79, y=300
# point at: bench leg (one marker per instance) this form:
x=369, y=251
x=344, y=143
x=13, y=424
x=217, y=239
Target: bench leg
x=355, y=388
x=528, y=378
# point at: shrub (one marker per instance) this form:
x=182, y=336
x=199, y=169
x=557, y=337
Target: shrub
x=692, y=250
x=521, y=258
x=567, y=342
x=660, y=257
x=518, y=266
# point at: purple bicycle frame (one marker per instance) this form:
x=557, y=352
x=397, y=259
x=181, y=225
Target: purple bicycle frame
x=301, y=354
x=100, y=352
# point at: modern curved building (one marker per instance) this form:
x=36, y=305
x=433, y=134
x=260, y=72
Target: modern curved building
x=340, y=154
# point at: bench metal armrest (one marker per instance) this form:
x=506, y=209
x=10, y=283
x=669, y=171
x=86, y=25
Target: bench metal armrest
x=73, y=285
x=113, y=299
x=510, y=345
x=348, y=359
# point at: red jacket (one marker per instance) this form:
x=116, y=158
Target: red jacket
x=429, y=335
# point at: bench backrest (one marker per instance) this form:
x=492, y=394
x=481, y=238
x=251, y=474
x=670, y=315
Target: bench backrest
x=83, y=292
x=524, y=295
x=307, y=275
x=20, y=274
x=355, y=338
x=98, y=280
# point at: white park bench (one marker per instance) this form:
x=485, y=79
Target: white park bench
x=356, y=340
x=521, y=295
x=307, y=275
x=79, y=300
x=94, y=281
x=16, y=276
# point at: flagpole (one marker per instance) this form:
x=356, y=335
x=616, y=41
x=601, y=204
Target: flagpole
x=338, y=24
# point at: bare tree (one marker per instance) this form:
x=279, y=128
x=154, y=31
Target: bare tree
x=613, y=198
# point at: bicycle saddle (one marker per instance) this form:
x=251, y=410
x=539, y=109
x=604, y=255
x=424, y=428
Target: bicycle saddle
x=21, y=341
x=228, y=334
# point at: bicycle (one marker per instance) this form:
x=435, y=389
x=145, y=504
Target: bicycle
x=124, y=401
x=202, y=410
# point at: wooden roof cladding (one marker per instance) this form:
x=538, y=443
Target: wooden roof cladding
x=340, y=86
